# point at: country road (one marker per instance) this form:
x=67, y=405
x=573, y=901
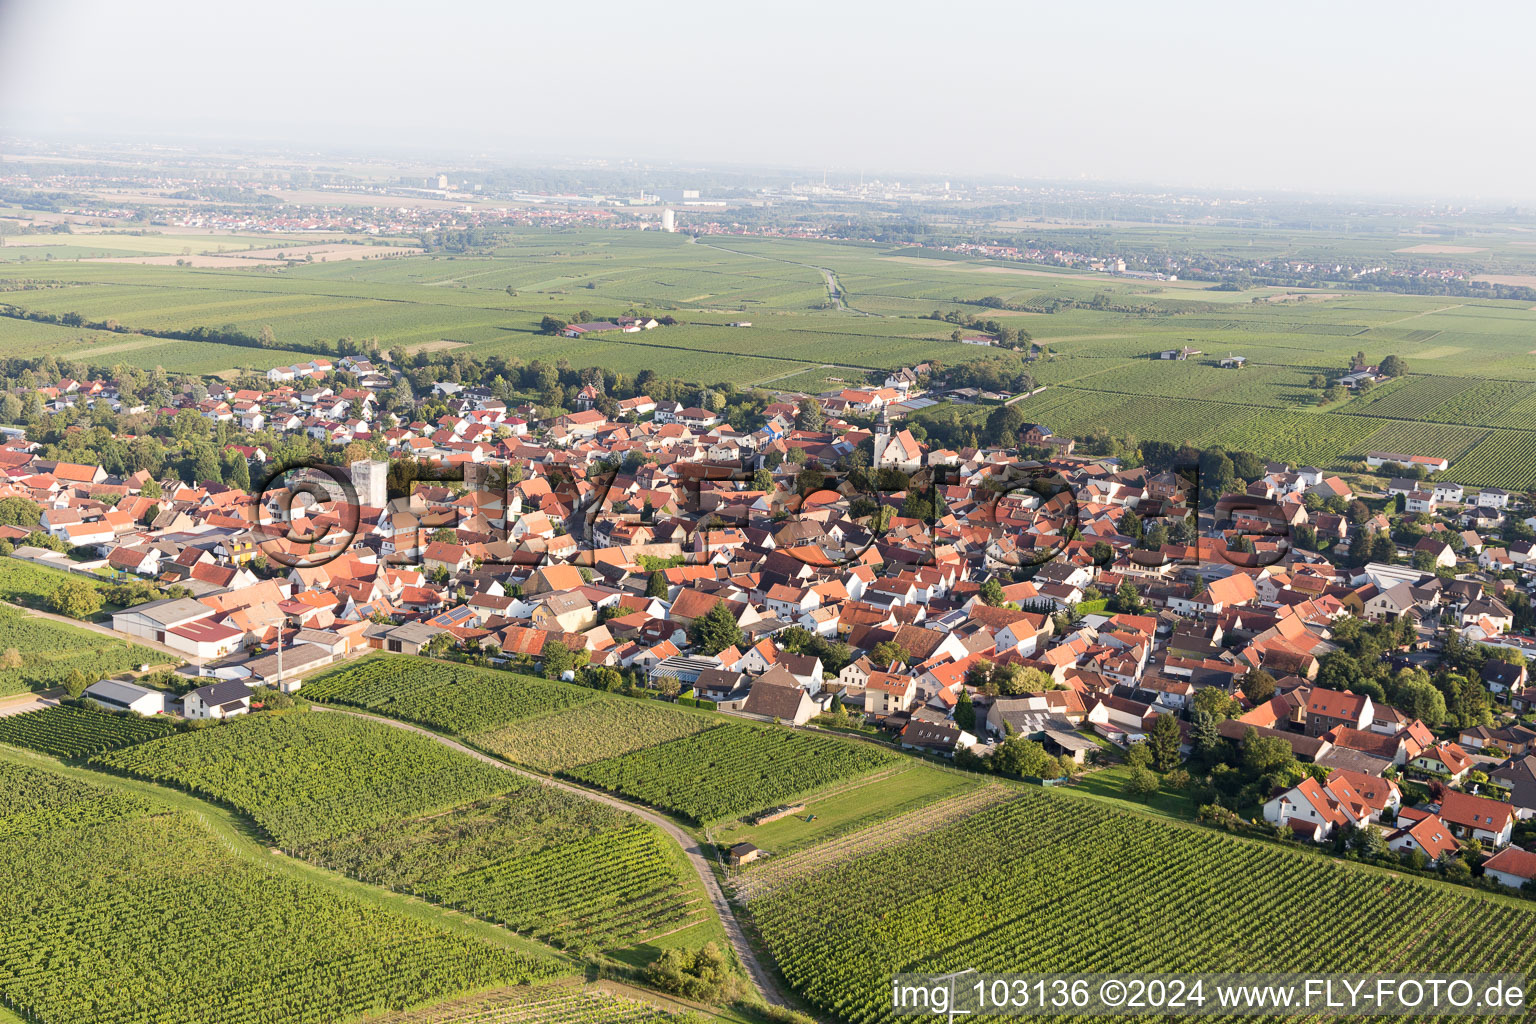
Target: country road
x=761, y=979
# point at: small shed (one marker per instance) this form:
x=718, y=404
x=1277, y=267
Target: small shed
x=744, y=853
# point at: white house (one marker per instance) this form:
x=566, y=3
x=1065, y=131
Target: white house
x=1313, y=810
x=1511, y=866
x=217, y=700
x=1429, y=835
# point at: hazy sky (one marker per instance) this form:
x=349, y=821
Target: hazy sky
x=1359, y=97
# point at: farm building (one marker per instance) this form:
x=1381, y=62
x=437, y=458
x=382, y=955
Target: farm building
x=153, y=620
x=744, y=853
x=595, y=327
x=1378, y=459
x=119, y=695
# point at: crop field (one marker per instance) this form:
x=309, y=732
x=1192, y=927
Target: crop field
x=1505, y=458
x=1022, y=886
x=542, y=862
x=1437, y=439
x=309, y=776
x=1075, y=410
x=1300, y=438
x=459, y=699
x=50, y=651
x=27, y=584
x=730, y=770
x=873, y=801
x=108, y=906
x=1471, y=362
x=784, y=868
x=80, y=732
x=1408, y=397
x=589, y=732
x=552, y=1004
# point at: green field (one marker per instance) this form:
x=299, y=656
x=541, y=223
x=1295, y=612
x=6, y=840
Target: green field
x=449, y=697
x=402, y=811
x=557, y=867
x=590, y=732
x=846, y=809
x=81, y=731
x=305, y=777
x=1470, y=361
x=1023, y=886
x=107, y=901
x=50, y=651
x=724, y=772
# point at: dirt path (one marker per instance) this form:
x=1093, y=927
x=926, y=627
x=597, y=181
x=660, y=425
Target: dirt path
x=834, y=286
x=761, y=979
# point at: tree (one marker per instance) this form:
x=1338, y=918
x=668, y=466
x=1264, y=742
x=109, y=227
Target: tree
x=1421, y=699
x=1141, y=784
x=1127, y=598
x=1263, y=755
x=1004, y=424
x=1370, y=842
x=1206, y=733
x=965, y=711
x=888, y=651
x=699, y=974
x=552, y=325
x=1394, y=366
x=1258, y=686
x=1019, y=756
x=1012, y=679
x=237, y=472
x=657, y=586
x=19, y=512
x=76, y=683
x=715, y=630
x=979, y=674
x=558, y=659
x=1213, y=700
x=992, y=593
x=1164, y=741
x=809, y=415
x=76, y=599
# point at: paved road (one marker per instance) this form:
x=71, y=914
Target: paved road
x=696, y=856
